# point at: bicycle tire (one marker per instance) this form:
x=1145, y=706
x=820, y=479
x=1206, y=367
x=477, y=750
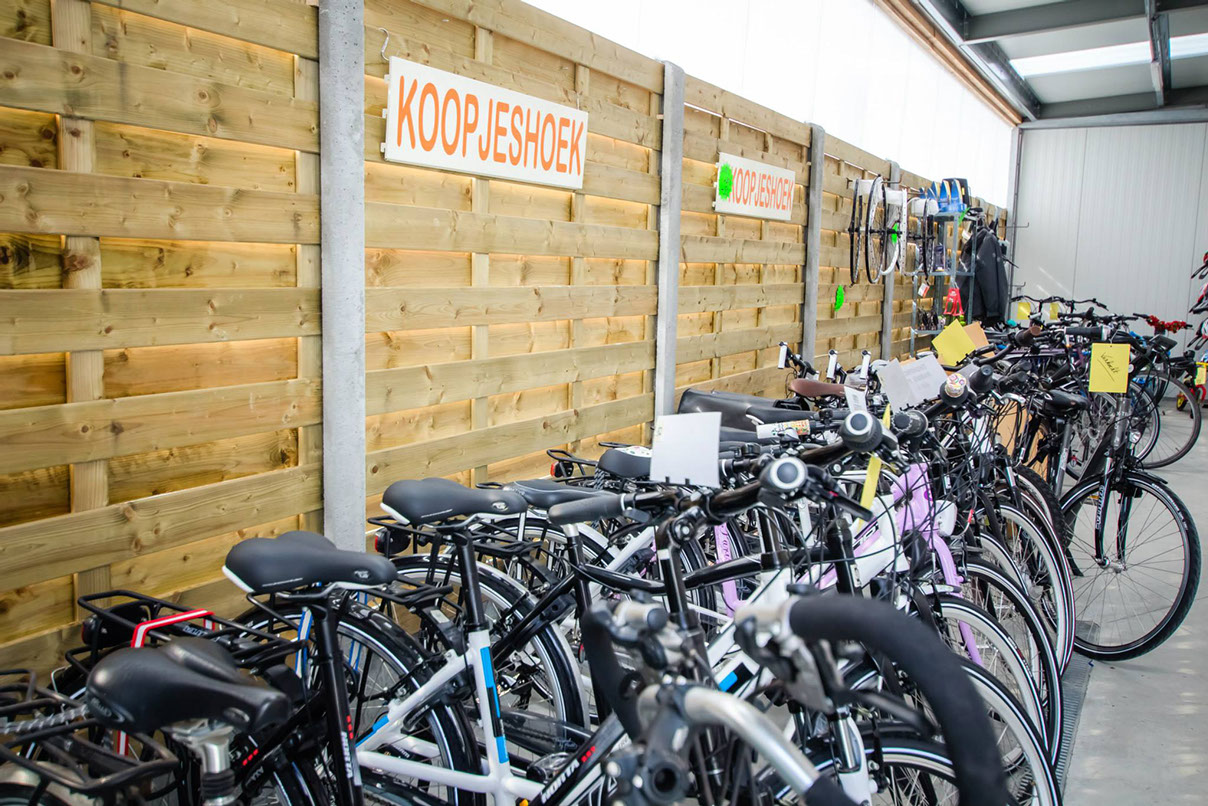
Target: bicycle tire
x=954, y=611
x=561, y=666
x=450, y=730
x=1170, y=388
x=1190, y=575
x=1037, y=553
x=1015, y=613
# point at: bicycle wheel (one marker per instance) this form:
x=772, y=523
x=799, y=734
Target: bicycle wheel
x=1172, y=430
x=993, y=591
x=974, y=634
x=1036, y=553
x=541, y=678
x=1135, y=592
x=382, y=664
x=1031, y=778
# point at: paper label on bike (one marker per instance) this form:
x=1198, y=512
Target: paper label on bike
x=747, y=187
x=953, y=343
x=684, y=448
x=1109, y=368
x=1201, y=373
x=793, y=428
x=1023, y=311
x=855, y=399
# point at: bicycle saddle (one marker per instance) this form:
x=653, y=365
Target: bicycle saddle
x=808, y=387
x=628, y=463
x=300, y=559
x=1066, y=401
x=545, y=493
x=143, y=690
x=431, y=500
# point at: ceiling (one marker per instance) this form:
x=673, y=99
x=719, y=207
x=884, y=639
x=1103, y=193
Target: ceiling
x=1139, y=76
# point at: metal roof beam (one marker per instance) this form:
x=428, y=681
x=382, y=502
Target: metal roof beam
x=1125, y=104
x=1159, y=50
x=1153, y=117
x=1059, y=16
x=989, y=58
x=1051, y=17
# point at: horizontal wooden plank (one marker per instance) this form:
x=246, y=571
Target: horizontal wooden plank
x=45, y=79
x=715, y=99
x=856, y=156
x=848, y=326
x=417, y=308
x=98, y=429
x=393, y=225
x=412, y=387
x=182, y=367
x=88, y=319
x=708, y=249
x=133, y=38
x=441, y=457
x=706, y=148
x=696, y=298
x=728, y=342
x=55, y=547
x=752, y=382
x=282, y=24
x=61, y=202
x=545, y=31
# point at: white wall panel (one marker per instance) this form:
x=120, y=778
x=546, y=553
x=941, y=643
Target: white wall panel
x=1120, y=214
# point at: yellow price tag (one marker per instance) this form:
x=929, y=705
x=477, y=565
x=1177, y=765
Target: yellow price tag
x=873, y=477
x=952, y=343
x=1109, y=367
x=1201, y=374
x=1054, y=311
x=1023, y=311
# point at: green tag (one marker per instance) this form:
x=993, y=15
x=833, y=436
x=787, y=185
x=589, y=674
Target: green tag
x=840, y=296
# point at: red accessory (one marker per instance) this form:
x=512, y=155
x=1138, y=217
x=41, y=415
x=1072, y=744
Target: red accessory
x=952, y=302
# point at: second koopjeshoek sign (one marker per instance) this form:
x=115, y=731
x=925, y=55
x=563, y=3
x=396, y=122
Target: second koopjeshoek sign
x=442, y=120
x=747, y=187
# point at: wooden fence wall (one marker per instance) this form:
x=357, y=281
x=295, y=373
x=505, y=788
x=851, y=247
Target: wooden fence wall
x=159, y=330
x=741, y=279
x=504, y=318
x=159, y=280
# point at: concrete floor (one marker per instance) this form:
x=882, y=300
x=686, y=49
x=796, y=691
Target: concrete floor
x=1143, y=735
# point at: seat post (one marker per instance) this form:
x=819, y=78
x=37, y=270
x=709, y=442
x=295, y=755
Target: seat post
x=210, y=742
x=330, y=660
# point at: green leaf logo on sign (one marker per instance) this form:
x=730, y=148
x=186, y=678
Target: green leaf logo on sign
x=725, y=180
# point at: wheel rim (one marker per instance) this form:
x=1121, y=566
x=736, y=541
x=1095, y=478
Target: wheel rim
x=1123, y=603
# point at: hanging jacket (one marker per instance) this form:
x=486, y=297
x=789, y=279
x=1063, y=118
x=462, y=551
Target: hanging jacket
x=989, y=281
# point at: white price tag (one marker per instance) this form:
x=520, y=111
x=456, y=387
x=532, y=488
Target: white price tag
x=685, y=448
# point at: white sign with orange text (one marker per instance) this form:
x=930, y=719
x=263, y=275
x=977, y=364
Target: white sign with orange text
x=750, y=188
x=442, y=120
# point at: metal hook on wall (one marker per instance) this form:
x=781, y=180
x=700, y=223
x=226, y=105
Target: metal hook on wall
x=385, y=58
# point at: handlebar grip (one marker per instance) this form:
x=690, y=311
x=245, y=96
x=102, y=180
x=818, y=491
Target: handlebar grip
x=784, y=475
x=919, y=652
x=909, y=423
x=1095, y=332
x=825, y=792
x=861, y=432
x=1025, y=336
x=981, y=380
x=586, y=510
